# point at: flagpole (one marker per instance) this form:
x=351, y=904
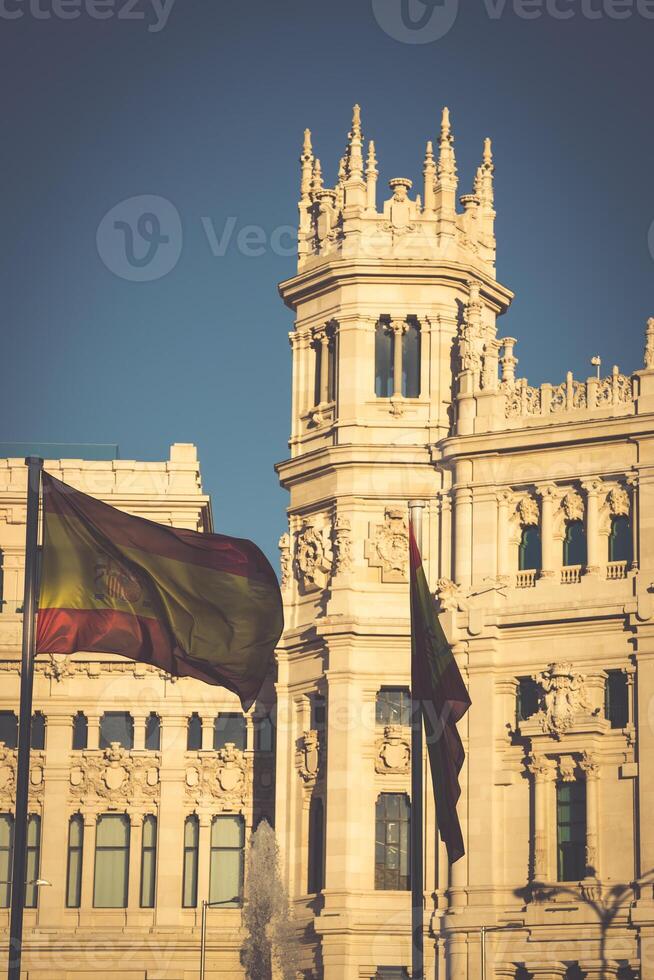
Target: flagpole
x=19, y=868
x=417, y=889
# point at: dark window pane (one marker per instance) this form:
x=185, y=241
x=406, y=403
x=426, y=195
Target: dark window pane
x=110, y=885
x=529, y=555
x=571, y=830
x=117, y=726
x=9, y=729
x=6, y=857
x=263, y=734
x=393, y=706
x=620, y=539
x=194, y=733
x=574, y=543
x=80, y=731
x=38, y=730
x=227, y=861
x=318, y=712
x=33, y=860
x=317, y=346
x=229, y=727
x=316, y=846
x=526, y=698
x=190, y=870
x=616, y=707
x=392, y=973
x=74, y=869
x=148, y=861
x=331, y=370
x=392, y=822
x=383, y=360
x=153, y=732
x=411, y=361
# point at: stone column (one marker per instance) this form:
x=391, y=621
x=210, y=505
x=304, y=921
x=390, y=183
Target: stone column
x=204, y=856
x=445, y=570
x=135, y=840
x=93, y=731
x=399, y=328
x=592, y=488
x=139, y=731
x=54, y=836
x=208, y=723
x=456, y=953
x=547, y=494
x=543, y=771
x=463, y=536
x=321, y=337
x=88, y=860
x=589, y=766
x=172, y=810
x=504, y=499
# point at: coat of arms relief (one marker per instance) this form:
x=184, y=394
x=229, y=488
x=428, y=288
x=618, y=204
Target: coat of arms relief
x=387, y=547
x=115, y=775
x=220, y=778
x=393, y=751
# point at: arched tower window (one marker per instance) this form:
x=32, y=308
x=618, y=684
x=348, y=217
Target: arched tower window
x=574, y=543
x=316, y=846
x=529, y=551
x=194, y=733
x=383, y=359
x=620, y=540
x=411, y=361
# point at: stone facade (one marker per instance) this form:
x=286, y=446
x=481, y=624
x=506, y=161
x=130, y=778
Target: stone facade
x=500, y=463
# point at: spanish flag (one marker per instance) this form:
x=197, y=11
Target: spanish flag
x=196, y=605
x=438, y=685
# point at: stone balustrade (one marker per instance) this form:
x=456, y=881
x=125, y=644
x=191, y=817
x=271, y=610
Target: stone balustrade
x=524, y=400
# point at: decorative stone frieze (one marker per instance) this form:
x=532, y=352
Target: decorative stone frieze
x=572, y=505
x=8, y=764
x=567, y=768
x=285, y=560
x=313, y=555
x=393, y=751
x=563, y=695
x=115, y=775
x=220, y=778
x=528, y=511
x=342, y=545
x=618, y=501
x=449, y=595
x=59, y=666
x=387, y=547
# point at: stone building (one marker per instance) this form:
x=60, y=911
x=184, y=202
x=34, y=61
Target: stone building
x=538, y=540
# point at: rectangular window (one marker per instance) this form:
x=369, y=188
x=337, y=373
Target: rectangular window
x=392, y=973
x=571, y=829
x=392, y=822
x=194, y=733
x=263, y=734
x=117, y=726
x=80, y=731
x=37, y=733
x=33, y=860
x=148, y=861
x=226, y=865
x=153, y=732
x=318, y=712
x=526, y=699
x=316, y=846
x=111, y=861
x=393, y=706
x=6, y=857
x=75, y=854
x=229, y=726
x=9, y=729
x=190, y=880
x=616, y=698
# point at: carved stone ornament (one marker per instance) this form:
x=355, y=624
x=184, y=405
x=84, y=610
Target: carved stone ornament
x=313, y=556
x=567, y=767
x=8, y=764
x=449, y=595
x=285, y=561
x=618, y=501
x=573, y=506
x=388, y=546
x=649, y=344
x=342, y=545
x=115, y=775
x=528, y=511
x=220, y=778
x=563, y=696
x=58, y=666
x=307, y=758
x=393, y=751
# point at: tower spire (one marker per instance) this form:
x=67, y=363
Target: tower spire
x=316, y=184
x=355, y=145
x=306, y=161
x=429, y=174
x=371, y=177
x=446, y=179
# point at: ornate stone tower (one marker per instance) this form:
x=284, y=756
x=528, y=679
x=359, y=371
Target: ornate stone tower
x=380, y=296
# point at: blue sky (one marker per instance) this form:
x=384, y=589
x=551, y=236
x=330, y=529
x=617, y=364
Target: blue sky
x=206, y=109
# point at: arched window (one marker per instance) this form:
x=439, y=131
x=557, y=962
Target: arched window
x=194, y=733
x=571, y=830
x=316, y=846
x=393, y=706
x=620, y=540
x=392, y=822
x=37, y=734
x=75, y=854
x=229, y=726
x=6, y=857
x=153, y=732
x=226, y=864
x=148, y=861
x=574, y=543
x=190, y=873
x=80, y=731
x=33, y=860
x=411, y=361
x=383, y=360
x=529, y=552
x=117, y=726
x=9, y=729
x=111, y=879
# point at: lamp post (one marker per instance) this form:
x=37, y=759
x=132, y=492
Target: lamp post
x=508, y=927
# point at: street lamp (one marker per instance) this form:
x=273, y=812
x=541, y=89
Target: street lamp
x=508, y=926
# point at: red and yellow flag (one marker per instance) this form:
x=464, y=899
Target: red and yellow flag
x=439, y=687
x=196, y=605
